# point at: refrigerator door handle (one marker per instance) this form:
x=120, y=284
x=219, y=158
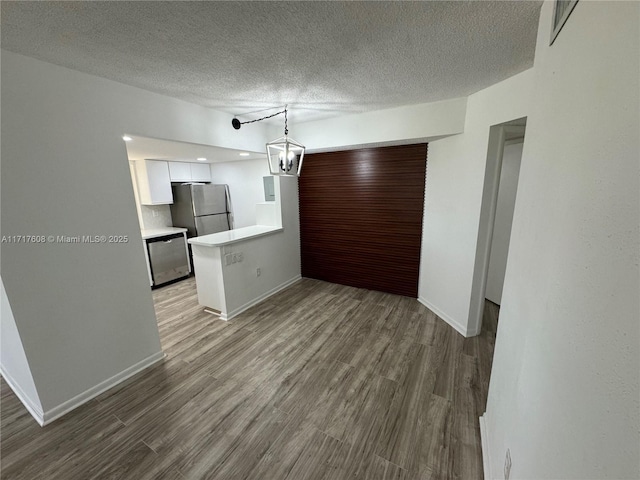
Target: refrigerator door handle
x=229, y=209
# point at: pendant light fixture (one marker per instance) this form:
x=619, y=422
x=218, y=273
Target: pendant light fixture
x=284, y=154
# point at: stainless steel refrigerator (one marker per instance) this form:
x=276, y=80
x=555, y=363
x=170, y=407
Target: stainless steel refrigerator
x=201, y=208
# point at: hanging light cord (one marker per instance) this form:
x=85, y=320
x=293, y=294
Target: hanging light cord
x=237, y=123
x=286, y=128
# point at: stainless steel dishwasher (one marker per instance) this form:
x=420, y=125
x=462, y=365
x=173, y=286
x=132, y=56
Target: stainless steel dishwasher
x=168, y=258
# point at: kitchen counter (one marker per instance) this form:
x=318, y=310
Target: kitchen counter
x=232, y=236
x=160, y=232
x=239, y=268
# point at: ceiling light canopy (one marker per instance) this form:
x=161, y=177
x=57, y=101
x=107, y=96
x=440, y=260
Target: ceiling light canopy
x=127, y=138
x=284, y=154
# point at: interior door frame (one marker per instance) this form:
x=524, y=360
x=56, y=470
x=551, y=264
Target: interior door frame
x=495, y=151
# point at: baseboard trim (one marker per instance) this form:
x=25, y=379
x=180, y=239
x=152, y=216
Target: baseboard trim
x=484, y=442
x=455, y=324
x=82, y=398
x=255, y=301
x=35, y=411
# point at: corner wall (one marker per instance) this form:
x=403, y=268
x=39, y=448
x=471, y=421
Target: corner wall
x=564, y=395
x=453, y=197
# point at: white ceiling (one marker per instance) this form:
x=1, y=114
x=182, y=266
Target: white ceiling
x=322, y=58
x=140, y=148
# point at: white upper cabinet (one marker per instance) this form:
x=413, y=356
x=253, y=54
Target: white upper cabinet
x=189, y=172
x=200, y=172
x=154, y=182
x=154, y=178
x=180, y=171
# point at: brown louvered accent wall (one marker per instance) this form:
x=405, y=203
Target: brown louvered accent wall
x=361, y=217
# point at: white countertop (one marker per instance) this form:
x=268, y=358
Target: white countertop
x=160, y=232
x=232, y=236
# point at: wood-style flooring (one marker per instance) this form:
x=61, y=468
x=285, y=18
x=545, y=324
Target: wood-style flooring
x=320, y=381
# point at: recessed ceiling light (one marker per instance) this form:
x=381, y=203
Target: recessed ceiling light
x=201, y=159
x=244, y=154
x=127, y=138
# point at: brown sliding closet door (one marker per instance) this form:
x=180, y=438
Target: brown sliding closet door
x=361, y=217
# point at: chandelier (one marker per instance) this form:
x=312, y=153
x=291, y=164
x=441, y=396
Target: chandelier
x=284, y=154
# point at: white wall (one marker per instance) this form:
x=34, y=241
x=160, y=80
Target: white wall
x=396, y=125
x=453, y=197
x=564, y=393
x=84, y=312
x=13, y=361
x=244, y=178
x=504, y=217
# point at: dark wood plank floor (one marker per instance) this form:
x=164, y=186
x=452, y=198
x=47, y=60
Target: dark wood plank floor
x=320, y=381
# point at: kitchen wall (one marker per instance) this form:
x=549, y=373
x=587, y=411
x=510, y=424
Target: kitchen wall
x=155, y=216
x=564, y=394
x=244, y=178
x=84, y=312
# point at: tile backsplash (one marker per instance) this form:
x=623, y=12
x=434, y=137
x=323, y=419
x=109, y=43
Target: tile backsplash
x=161, y=219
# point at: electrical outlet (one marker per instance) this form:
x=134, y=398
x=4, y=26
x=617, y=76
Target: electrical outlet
x=227, y=259
x=258, y=272
x=507, y=465
x=155, y=213
x=234, y=258
x=240, y=256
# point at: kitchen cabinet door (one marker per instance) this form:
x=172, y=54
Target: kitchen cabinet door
x=200, y=172
x=154, y=182
x=180, y=171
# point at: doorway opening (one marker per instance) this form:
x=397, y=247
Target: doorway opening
x=504, y=155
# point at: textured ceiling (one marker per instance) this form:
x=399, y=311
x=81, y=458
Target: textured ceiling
x=322, y=58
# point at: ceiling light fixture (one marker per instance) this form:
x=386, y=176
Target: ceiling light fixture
x=244, y=154
x=201, y=159
x=127, y=138
x=284, y=154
